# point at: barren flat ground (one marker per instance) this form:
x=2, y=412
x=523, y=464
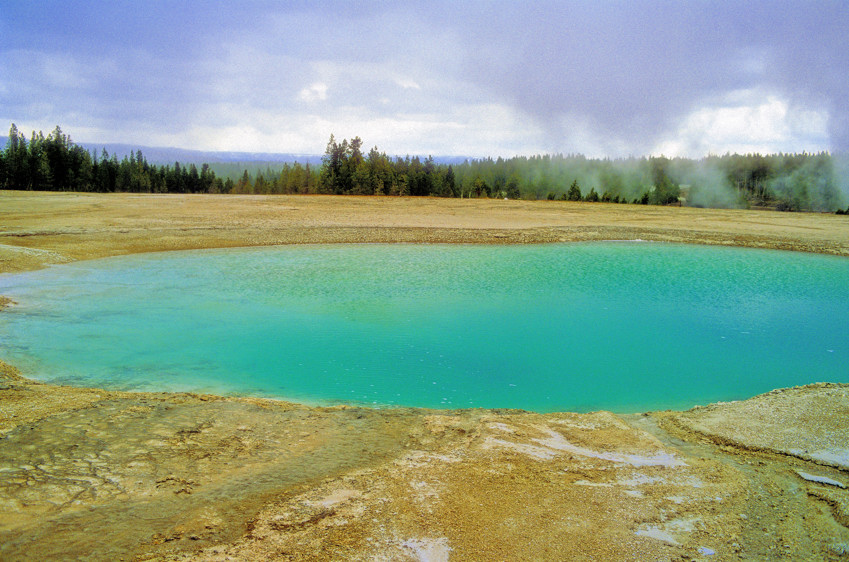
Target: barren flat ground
x=103, y=475
x=43, y=228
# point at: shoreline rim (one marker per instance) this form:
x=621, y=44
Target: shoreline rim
x=9, y=371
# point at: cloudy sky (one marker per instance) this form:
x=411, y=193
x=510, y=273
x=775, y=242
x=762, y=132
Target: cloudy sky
x=436, y=77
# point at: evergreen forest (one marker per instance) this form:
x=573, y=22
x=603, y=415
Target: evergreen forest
x=790, y=182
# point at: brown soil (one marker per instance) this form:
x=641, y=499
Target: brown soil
x=43, y=228
x=102, y=475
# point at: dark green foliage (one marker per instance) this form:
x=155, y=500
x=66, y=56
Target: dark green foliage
x=449, y=186
x=480, y=188
x=55, y=163
x=17, y=161
x=513, y=189
x=664, y=191
x=781, y=181
x=808, y=184
x=574, y=193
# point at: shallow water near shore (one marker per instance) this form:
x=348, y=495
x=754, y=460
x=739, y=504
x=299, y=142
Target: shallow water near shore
x=622, y=326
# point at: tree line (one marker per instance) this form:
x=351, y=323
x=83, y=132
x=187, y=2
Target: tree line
x=55, y=163
x=781, y=181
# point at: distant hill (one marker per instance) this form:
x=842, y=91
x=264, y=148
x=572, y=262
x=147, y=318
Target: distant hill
x=166, y=155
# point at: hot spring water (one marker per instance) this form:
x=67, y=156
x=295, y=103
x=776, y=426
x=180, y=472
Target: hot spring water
x=618, y=326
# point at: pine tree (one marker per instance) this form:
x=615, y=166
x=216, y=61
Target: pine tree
x=17, y=160
x=513, y=188
x=574, y=192
x=449, y=183
x=39, y=169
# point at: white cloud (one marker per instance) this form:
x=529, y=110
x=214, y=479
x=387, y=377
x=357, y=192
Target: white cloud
x=314, y=92
x=408, y=84
x=481, y=129
x=748, y=121
x=597, y=79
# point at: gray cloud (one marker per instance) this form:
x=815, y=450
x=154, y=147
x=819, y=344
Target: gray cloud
x=475, y=77
x=635, y=69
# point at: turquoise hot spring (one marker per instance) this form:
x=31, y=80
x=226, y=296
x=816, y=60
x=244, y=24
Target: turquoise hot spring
x=621, y=326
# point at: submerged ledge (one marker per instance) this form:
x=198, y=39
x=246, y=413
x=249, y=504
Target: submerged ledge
x=43, y=228
x=765, y=422
x=13, y=259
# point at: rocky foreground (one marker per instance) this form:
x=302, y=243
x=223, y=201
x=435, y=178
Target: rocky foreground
x=103, y=475
x=107, y=476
